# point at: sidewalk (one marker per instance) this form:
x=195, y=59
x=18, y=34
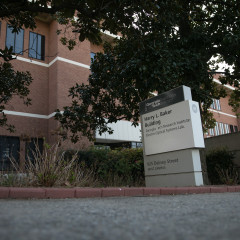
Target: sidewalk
x=56, y=193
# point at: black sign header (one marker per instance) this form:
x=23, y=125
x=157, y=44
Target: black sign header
x=163, y=100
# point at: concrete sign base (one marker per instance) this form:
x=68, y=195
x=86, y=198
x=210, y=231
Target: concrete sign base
x=175, y=180
x=173, y=169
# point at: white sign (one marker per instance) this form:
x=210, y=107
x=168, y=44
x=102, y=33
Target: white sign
x=172, y=128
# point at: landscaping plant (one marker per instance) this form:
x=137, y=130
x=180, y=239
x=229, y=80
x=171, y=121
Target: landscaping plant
x=52, y=166
x=220, y=167
x=120, y=167
x=48, y=168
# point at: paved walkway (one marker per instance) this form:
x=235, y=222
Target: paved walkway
x=180, y=217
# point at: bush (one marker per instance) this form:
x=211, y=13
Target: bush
x=124, y=165
x=121, y=167
x=48, y=168
x=13, y=179
x=93, y=167
x=220, y=167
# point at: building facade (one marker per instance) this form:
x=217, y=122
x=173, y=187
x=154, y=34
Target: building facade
x=55, y=69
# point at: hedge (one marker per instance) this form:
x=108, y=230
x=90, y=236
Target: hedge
x=121, y=167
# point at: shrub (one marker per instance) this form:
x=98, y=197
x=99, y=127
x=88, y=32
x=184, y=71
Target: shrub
x=93, y=167
x=49, y=168
x=120, y=167
x=13, y=179
x=220, y=167
x=124, y=164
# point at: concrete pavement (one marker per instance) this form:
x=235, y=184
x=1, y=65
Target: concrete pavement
x=196, y=216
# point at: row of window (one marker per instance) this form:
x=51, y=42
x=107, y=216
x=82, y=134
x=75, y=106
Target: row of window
x=222, y=128
x=36, y=47
x=36, y=43
x=10, y=148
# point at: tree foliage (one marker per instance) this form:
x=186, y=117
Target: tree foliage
x=164, y=44
x=12, y=83
x=171, y=46
x=87, y=18
x=90, y=16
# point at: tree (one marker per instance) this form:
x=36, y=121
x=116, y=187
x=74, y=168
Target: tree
x=172, y=46
x=91, y=17
x=12, y=83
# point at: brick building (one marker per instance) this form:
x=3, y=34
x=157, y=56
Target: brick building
x=226, y=120
x=55, y=69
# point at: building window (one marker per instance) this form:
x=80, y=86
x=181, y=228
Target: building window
x=231, y=129
x=235, y=129
x=136, y=145
x=213, y=106
x=211, y=132
x=15, y=40
x=221, y=126
x=226, y=128
x=33, y=148
x=216, y=104
x=92, y=55
x=36, y=46
x=9, y=148
x=216, y=128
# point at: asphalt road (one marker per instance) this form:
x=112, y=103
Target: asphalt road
x=206, y=216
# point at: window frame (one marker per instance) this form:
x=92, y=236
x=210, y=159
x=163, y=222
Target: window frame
x=226, y=126
x=15, y=33
x=221, y=127
x=218, y=104
x=42, y=56
x=9, y=145
x=213, y=105
x=216, y=128
x=92, y=56
x=211, y=131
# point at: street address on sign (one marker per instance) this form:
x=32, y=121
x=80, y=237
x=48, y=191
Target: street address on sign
x=172, y=128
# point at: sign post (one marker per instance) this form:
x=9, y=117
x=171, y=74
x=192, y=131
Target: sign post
x=172, y=135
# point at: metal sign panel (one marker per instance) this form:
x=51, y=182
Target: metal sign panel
x=172, y=128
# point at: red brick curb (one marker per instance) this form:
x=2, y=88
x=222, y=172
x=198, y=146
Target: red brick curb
x=40, y=193
x=4, y=192
x=27, y=193
x=133, y=192
x=60, y=192
x=88, y=192
x=151, y=191
x=112, y=192
x=237, y=188
x=219, y=189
